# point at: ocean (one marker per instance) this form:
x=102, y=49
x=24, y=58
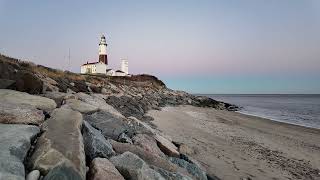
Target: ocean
x=298, y=109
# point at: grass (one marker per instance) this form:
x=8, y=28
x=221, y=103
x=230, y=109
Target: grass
x=136, y=80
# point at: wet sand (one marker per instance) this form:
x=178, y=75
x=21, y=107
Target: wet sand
x=233, y=146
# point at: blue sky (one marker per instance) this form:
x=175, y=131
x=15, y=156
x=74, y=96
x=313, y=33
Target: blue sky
x=205, y=46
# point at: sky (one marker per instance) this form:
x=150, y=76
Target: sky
x=199, y=46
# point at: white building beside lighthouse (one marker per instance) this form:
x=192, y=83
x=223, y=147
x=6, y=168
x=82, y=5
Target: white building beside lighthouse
x=124, y=66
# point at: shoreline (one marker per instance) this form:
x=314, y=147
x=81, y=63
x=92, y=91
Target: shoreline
x=289, y=108
x=276, y=120
x=232, y=145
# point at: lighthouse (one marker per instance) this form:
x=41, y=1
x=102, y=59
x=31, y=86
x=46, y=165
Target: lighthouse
x=103, y=50
x=101, y=67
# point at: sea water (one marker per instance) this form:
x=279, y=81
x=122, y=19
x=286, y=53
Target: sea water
x=303, y=110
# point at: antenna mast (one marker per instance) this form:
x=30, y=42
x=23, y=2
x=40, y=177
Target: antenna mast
x=69, y=62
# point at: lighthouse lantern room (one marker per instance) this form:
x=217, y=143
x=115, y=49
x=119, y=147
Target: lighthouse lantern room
x=103, y=50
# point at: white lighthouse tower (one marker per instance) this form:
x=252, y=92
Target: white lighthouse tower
x=103, y=50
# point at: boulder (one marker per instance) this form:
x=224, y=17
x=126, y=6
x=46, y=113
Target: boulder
x=140, y=127
x=166, y=146
x=33, y=175
x=133, y=167
x=63, y=84
x=150, y=158
x=110, y=125
x=49, y=88
x=80, y=106
x=124, y=138
x=192, y=169
x=80, y=86
x=95, y=145
x=99, y=103
x=129, y=106
x=16, y=97
x=192, y=161
x=61, y=143
x=58, y=97
x=28, y=82
x=171, y=175
x=185, y=149
x=63, y=172
x=20, y=114
x=148, y=144
x=15, y=142
x=49, y=85
x=103, y=169
x=5, y=83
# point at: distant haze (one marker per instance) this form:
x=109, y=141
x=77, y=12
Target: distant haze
x=235, y=46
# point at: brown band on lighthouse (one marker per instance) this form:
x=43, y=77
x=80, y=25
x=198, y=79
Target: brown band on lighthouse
x=103, y=58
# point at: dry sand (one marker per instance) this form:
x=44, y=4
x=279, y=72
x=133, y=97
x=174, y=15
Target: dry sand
x=233, y=146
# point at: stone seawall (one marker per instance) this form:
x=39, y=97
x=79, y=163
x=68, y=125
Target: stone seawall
x=62, y=125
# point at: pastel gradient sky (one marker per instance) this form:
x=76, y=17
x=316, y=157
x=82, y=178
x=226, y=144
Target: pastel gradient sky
x=225, y=46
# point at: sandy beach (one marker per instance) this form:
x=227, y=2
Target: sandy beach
x=233, y=146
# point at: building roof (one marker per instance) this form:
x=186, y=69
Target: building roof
x=109, y=70
x=90, y=63
x=119, y=71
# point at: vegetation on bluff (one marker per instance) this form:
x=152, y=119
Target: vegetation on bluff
x=30, y=77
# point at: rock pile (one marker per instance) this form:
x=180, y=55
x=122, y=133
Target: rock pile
x=84, y=138
x=69, y=126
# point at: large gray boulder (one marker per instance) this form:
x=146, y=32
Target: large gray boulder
x=15, y=142
x=103, y=169
x=95, y=144
x=166, y=146
x=63, y=172
x=99, y=103
x=58, y=97
x=192, y=169
x=171, y=175
x=148, y=144
x=80, y=106
x=141, y=127
x=49, y=85
x=150, y=158
x=17, y=98
x=20, y=114
x=110, y=125
x=133, y=167
x=61, y=143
